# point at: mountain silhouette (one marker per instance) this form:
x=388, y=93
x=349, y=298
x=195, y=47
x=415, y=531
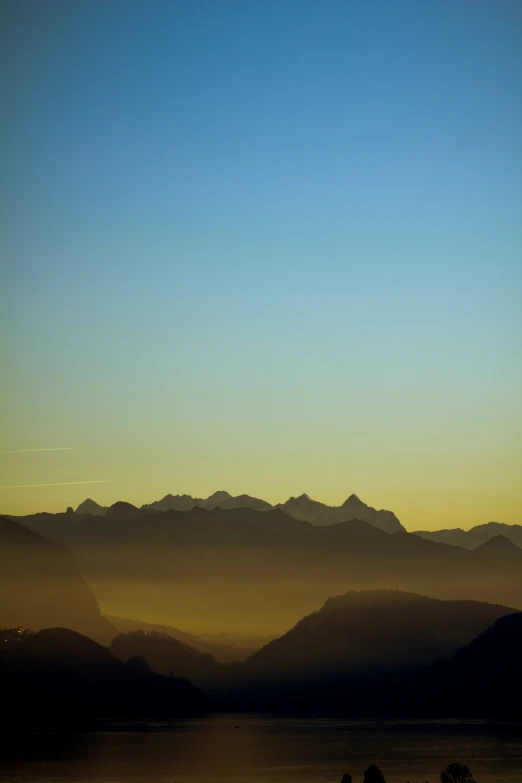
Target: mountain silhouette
x=379, y=644
x=386, y=654
x=167, y=655
x=470, y=539
x=122, y=511
x=302, y=507
x=484, y=678
x=59, y=677
x=40, y=585
x=306, y=509
x=219, y=499
x=500, y=545
x=373, y=630
x=91, y=507
x=225, y=653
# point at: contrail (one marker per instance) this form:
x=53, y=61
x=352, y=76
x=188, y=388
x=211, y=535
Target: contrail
x=59, y=484
x=20, y=451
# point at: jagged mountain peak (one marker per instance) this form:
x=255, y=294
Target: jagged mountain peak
x=353, y=500
x=302, y=507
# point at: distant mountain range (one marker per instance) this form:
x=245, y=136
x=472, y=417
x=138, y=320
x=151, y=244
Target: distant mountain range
x=470, y=539
x=308, y=510
x=219, y=499
x=302, y=507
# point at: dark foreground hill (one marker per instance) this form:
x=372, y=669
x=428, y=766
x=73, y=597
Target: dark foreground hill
x=354, y=639
x=481, y=680
x=41, y=586
x=372, y=631
x=57, y=677
x=484, y=677
x=351, y=665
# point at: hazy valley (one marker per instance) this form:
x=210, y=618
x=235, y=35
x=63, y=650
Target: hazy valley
x=257, y=572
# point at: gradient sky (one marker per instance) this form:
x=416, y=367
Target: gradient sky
x=268, y=246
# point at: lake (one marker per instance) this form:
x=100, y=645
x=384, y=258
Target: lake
x=261, y=749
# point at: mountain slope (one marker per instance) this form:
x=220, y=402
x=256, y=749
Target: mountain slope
x=356, y=641
x=58, y=676
x=40, y=585
x=483, y=679
x=371, y=631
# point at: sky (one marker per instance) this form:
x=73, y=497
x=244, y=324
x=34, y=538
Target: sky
x=271, y=247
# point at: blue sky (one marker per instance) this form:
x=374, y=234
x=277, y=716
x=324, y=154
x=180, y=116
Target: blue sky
x=271, y=247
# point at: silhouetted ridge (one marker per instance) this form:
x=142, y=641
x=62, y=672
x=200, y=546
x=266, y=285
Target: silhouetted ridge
x=483, y=679
x=302, y=507
x=306, y=509
x=91, y=507
x=220, y=499
x=57, y=676
x=122, y=510
x=371, y=653
x=167, y=655
x=371, y=630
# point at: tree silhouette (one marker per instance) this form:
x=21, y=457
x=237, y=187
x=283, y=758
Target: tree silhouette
x=374, y=775
x=456, y=773
x=346, y=778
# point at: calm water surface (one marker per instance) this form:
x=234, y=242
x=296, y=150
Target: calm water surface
x=275, y=750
